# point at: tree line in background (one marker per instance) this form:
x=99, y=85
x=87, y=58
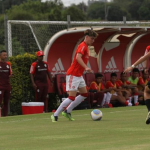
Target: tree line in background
x=54, y=10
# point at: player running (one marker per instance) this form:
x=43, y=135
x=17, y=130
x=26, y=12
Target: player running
x=74, y=79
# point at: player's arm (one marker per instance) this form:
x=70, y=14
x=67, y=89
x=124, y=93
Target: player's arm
x=32, y=80
x=140, y=60
x=32, y=71
x=80, y=61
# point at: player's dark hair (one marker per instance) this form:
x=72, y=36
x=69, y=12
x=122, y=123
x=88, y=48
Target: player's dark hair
x=122, y=73
x=113, y=74
x=136, y=70
x=2, y=51
x=143, y=71
x=90, y=32
x=97, y=75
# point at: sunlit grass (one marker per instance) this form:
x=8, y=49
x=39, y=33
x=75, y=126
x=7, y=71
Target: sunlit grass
x=121, y=128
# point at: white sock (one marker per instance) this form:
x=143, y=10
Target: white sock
x=108, y=97
x=75, y=103
x=130, y=99
x=62, y=106
x=104, y=99
x=135, y=99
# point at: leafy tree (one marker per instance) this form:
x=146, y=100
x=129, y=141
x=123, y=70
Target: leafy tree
x=116, y=13
x=83, y=7
x=1, y=32
x=75, y=13
x=144, y=13
x=96, y=11
x=134, y=8
x=7, y=4
x=35, y=10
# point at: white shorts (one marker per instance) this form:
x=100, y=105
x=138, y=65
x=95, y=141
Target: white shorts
x=73, y=83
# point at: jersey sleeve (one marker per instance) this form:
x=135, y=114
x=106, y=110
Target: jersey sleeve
x=141, y=81
x=109, y=84
x=10, y=70
x=32, y=68
x=81, y=49
x=102, y=87
x=117, y=85
x=120, y=82
x=147, y=49
x=127, y=82
x=93, y=86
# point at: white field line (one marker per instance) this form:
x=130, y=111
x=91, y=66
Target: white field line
x=36, y=118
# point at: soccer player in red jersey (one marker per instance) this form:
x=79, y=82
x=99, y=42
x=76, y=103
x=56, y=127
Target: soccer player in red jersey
x=39, y=71
x=5, y=87
x=74, y=78
x=144, y=58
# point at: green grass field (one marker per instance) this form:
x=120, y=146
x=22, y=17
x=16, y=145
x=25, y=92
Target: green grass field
x=121, y=128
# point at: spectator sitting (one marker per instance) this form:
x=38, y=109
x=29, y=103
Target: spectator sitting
x=143, y=80
x=115, y=91
x=98, y=88
x=126, y=87
x=134, y=80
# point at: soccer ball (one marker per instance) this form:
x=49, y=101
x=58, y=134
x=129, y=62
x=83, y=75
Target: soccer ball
x=96, y=115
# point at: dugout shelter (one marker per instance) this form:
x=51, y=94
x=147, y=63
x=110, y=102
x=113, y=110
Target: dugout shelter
x=115, y=48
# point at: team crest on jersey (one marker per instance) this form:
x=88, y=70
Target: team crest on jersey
x=7, y=66
x=45, y=65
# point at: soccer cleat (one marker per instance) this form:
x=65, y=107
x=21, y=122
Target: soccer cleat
x=67, y=115
x=136, y=104
x=110, y=105
x=54, y=118
x=148, y=118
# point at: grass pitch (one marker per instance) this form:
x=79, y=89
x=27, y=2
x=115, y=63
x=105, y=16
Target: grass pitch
x=121, y=128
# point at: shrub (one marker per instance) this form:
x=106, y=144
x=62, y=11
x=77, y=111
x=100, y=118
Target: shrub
x=22, y=90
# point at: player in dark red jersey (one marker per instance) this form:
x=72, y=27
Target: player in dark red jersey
x=5, y=87
x=74, y=79
x=39, y=71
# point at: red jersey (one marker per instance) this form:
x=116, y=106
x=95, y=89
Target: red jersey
x=76, y=69
x=110, y=84
x=147, y=49
x=141, y=81
x=95, y=86
x=40, y=70
x=5, y=72
x=121, y=83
